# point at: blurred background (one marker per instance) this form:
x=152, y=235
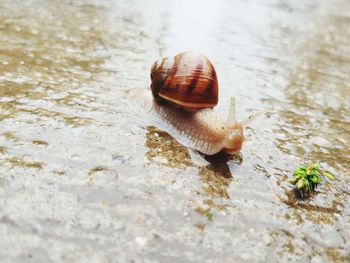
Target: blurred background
x=85, y=179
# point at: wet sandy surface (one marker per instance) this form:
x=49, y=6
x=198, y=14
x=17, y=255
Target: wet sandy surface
x=83, y=178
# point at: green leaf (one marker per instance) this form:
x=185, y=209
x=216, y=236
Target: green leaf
x=300, y=184
x=301, y=169
x=306, y=178
x=315, y=166
x=315, y=179
x=294, y=180
x=329, y=175
x=306, y=185
x=317, y=173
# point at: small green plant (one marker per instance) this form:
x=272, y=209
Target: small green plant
x=306, y=178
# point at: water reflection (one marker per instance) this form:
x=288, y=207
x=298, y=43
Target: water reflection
x=163, y=149
x=216, y=176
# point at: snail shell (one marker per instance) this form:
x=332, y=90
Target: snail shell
x=187, y=80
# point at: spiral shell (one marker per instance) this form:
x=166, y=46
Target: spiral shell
x=187, y=80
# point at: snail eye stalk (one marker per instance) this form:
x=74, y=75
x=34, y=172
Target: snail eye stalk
x=232, y=115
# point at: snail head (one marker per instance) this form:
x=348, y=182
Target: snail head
x=234, y=139
x=234, y=136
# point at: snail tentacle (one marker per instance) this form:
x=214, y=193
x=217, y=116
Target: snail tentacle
x=232, y=114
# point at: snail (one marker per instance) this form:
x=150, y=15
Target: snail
x=184, y=91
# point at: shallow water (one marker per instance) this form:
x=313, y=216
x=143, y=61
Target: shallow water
x=84, y=178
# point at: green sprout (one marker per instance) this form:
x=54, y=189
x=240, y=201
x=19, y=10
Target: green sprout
x=306, y=178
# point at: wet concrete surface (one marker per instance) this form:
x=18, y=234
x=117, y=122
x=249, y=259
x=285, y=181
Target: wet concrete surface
x=83, y=178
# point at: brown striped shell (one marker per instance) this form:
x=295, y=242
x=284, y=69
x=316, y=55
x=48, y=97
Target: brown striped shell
x=187, y=80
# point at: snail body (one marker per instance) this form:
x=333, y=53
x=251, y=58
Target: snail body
x=184, y=92
x=203, y=130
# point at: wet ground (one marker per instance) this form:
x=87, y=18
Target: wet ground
x=85, y=179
